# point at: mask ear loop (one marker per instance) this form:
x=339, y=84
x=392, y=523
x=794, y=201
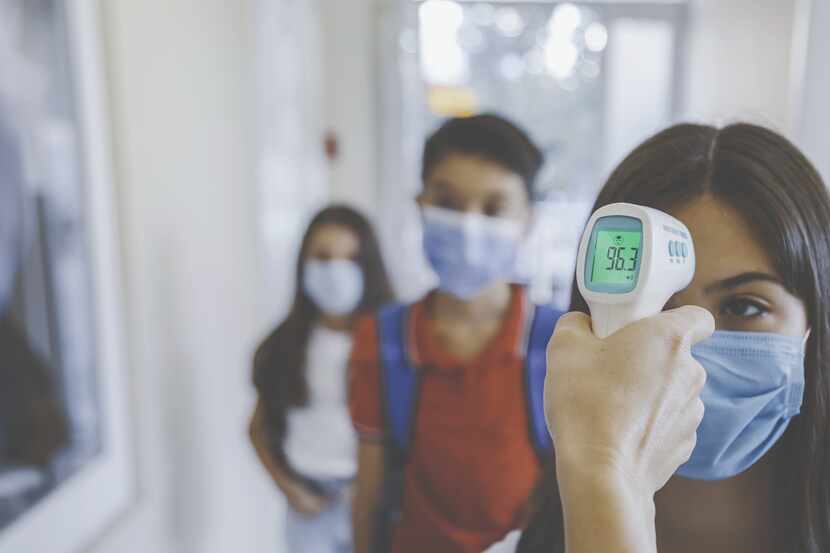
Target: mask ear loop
x=806, y=337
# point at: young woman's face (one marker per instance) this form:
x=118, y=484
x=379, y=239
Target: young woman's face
x=470, y=184
x=734, y=277
x=329, y=242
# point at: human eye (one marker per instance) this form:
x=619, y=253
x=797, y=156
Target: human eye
x=743, y=308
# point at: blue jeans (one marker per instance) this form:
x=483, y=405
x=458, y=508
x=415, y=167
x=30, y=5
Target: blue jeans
x=328, y=532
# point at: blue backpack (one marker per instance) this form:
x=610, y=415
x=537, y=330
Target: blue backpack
x=399, y=393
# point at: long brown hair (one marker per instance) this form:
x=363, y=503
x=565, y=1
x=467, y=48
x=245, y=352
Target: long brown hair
x=780, y=194
x=279, y=362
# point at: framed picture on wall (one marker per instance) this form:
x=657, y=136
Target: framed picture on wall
x=65, y=470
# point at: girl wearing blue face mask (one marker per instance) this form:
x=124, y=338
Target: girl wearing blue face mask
x=301, y=427
x=651, y=458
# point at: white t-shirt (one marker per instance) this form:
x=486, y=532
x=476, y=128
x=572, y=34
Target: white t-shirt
x=508, y=545
x=320, y=441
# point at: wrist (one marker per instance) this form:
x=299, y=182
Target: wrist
x=604, y=508
x=593, y=483
x=599, y=468
x=289, y=486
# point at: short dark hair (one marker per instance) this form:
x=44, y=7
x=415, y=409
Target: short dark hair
x=490, y=137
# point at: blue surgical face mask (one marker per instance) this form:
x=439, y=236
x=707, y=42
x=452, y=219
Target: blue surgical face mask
x=335, y=286
x=754, y=386
x=468, y=251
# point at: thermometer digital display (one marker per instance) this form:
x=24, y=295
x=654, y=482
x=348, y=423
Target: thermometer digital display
x=632, y=259
x=616, y=258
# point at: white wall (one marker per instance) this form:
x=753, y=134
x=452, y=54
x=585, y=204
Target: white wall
x=293, y=173
x=814, y=120
x=351, y=101
x=181, y=95
x=738, y=68
x=739, y=63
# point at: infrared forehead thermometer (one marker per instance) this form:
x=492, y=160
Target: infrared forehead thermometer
x=632, y=259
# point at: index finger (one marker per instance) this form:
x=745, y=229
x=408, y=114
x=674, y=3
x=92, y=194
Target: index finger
x=690, y=322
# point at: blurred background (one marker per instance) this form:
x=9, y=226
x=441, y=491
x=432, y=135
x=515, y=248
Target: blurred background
x=192, y=140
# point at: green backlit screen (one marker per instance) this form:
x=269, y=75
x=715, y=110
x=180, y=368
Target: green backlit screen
x=616, y=255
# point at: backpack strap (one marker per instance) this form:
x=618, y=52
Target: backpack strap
x=399, y=381
x=399, y=391
x=536, y=366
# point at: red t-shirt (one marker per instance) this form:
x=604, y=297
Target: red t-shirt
x=472, y=465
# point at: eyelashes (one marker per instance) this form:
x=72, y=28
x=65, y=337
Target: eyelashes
x=743, y=308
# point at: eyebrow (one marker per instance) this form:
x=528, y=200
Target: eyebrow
x=441, y=182
x=740, y=280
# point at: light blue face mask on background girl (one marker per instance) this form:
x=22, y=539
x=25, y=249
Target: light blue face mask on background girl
x=754, y=386
x=469, y=251
x=335, y=286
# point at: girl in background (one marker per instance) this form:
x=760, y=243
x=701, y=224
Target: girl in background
x=301, y=427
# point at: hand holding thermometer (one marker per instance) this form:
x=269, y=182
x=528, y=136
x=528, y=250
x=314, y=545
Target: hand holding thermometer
x=632, y=259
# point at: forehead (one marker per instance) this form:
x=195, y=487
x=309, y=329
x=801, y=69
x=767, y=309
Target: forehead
x=473, y=176
x=333, y=237
x=725, y=244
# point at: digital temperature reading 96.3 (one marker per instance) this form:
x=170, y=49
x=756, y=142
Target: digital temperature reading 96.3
x=616, y=255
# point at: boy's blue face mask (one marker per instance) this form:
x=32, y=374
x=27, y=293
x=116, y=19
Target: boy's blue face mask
x=754, y=386
x=469, y=252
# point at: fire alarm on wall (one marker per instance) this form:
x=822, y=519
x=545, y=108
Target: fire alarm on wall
x=331, y=144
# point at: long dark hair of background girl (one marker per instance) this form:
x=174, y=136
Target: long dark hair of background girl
x=279, y=363
x=779, y=193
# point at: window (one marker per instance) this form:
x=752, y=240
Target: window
x=587, y=80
